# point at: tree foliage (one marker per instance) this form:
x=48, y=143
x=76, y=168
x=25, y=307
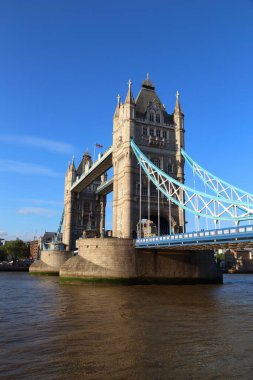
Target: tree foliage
x=17, y=249
x=3, y=255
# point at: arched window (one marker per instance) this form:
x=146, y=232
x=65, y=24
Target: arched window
x=151, y=117
x=157, y=118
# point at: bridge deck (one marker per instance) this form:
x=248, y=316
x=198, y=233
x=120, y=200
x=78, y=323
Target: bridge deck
x=99, y=167
x=105, y=188
x=233, y=237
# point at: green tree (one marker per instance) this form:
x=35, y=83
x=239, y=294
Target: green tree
x=3, y=255
x=17, y=249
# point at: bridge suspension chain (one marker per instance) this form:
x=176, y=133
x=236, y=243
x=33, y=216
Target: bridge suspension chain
x=221, y=188
x=198, y=203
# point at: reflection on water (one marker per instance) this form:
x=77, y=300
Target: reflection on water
x=92, y=331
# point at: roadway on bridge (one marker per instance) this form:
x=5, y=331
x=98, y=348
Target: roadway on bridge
x=233, y=238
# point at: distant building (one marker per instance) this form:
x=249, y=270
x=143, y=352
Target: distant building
x=34, y=249
x=240, y=261
x=2, y=242
x=48, y=238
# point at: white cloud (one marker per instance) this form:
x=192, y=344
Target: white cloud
x=42, y=143
x=37, y=211
x=3, y=233
x=26, y=168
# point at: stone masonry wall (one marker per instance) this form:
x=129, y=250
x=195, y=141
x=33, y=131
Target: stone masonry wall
x=118, y=259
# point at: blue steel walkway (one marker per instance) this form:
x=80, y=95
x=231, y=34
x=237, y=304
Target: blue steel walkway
x=232, y=237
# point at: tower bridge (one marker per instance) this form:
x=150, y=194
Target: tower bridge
x=149, y=240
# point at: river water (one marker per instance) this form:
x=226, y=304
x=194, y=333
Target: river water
x=94, y=331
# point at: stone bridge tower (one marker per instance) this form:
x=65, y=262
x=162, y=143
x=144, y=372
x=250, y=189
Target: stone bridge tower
x=160, y=136
x=82, y=210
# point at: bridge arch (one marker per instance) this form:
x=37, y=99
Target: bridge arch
x=164, y=223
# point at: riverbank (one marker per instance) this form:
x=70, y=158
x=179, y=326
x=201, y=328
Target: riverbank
x=18, y=266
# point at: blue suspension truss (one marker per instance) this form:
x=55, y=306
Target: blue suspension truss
x=196, y=202
x=218, y=186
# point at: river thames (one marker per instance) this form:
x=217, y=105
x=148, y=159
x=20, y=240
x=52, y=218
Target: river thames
x=94, y=331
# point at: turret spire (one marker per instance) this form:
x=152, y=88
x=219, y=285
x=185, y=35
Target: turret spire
x=178, y=108
x=129, y=97
x=116, y=113
x=72, y=164
x=147, y=83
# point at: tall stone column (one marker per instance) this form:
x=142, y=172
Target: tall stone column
x=69, y=199
x=179, y=134
x=102, y=214
x=127, y=222
x=115, y=200
x=69, y=220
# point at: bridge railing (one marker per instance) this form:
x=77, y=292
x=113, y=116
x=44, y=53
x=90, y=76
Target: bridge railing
x=195, y=237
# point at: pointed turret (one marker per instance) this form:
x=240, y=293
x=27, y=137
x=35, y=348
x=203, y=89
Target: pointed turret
x=72, y=165
x=116, y=113
x=87, y=161
x=147, y=83
x=178, y=108
x=129, y=97
x=87, y=156
x=129, y=105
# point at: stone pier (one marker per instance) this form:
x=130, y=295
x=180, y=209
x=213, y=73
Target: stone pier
x=116, y=260
x=50, y=262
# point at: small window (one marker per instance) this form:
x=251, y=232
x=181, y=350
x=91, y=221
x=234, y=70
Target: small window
x=156, y=162
x=170, y=168
x=165, y=135
x=151, y=117
x=157, y=118
x=158, y=133
x=145, y=131
x=151, y=132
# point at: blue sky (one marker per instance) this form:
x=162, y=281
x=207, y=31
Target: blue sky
x=62, y=64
